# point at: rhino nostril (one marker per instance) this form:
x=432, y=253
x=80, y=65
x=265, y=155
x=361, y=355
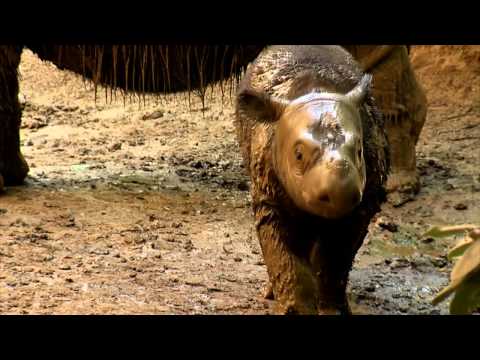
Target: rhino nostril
x=325, y=198
x=356, y=197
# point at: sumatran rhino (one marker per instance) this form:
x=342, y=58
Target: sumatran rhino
x=314, y=145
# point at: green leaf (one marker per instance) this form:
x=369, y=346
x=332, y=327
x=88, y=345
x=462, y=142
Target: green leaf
x=445, y=231
x=444, y=293
x=460, y=248
x=467, y=297
x=464, y=268
x=468, y=264
x=79, y=167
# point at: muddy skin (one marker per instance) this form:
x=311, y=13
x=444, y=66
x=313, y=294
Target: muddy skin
x=308, y=257
x=318, y=152
x=403, y=102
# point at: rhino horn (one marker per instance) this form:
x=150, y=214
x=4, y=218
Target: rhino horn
x=358, y=93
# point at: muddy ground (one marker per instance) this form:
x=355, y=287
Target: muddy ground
x=133, y=209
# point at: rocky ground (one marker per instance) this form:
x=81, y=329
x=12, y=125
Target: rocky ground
x=143, y=207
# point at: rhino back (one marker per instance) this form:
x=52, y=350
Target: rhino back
x=290, y=71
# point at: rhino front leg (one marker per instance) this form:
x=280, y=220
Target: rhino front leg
x=404, y=105
x=405, y=109
x=302, y=281
x=13, y=167
x=268, y=295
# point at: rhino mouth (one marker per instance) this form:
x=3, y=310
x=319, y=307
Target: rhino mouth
x=331, y=202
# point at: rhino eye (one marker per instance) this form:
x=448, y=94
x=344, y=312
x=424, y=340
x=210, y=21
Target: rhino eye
x=299, y=152
x=359, y=154
x=298, y=155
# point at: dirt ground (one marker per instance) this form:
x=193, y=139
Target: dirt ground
x=133, y=209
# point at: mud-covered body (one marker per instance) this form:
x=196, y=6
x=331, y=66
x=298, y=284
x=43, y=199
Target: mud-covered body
x=308, y=257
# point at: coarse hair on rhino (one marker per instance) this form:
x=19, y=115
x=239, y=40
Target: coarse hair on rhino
x=314, y=145
x=129, y=68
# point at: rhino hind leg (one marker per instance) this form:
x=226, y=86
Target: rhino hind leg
x=13, y=167
x=16, y=170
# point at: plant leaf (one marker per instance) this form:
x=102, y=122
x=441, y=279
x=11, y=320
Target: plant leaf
x=445, y=231
x=467, y=264
x=460, y=248
x=467, y=297
x=79, y=167
x=445, y=292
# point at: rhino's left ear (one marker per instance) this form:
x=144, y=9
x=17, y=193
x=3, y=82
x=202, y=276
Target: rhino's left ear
x=358, y=93
x=260, y=105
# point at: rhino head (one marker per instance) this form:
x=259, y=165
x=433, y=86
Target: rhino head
x=317, y=147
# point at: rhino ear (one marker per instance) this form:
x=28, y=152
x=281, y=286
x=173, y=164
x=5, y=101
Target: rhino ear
x=358, y=94
x=260, y=105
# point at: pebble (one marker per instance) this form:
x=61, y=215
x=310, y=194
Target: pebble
x=439, y=262
x=99, y=251
x=116, y=146
x=399, y=263
x=387, y=225
x=48, y=258
x=460, y=206
x=243, y=186
x=475, y=188
x=449, y=187
x=154, y=115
